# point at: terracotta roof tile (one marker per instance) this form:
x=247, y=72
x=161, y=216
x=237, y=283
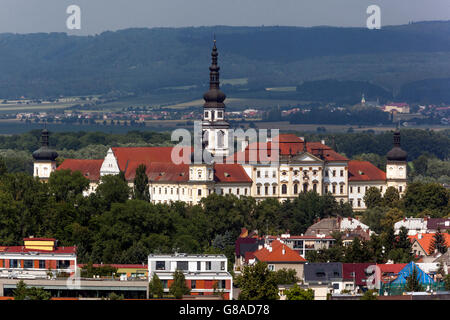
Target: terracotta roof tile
x=89, y=168
x=277, y=254
x=426, y=240
x=364, y=171
x=230, y=173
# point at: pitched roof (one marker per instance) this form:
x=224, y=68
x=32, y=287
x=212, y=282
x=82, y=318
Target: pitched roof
x=287, y=145
x=280, y=253
x=391, y=267
x=426, y=240
x=144, y=154
x=356, y=272
x=89, y=168
x=364, y=171
x=230, y=173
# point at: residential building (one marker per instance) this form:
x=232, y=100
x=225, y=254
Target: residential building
x=279, y=256
x=204, y=274
x=303, y=244
x=36, y=259
x=325, y=273
x=421, y=243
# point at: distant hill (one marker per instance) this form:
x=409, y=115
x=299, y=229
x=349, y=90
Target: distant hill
x=141, y=60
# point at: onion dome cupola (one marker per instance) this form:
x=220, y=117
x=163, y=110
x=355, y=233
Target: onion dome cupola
x=44, y=153
x=397, y=153
x=214, y=97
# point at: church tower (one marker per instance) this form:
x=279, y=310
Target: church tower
x=396, y=165
x=215, y=128
x=44, y=158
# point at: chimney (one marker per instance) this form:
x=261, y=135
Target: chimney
x=419, y=236
x=283, y=251
x=322, y=141
x=269, y=248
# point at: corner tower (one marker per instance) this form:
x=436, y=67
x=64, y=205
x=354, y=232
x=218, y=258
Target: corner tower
x=215, y=129
x=44, y=158
x=396, y=165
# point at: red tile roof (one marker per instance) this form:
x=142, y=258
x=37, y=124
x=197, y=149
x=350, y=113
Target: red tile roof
x=22, y=249
x=89, y=168
x=427, y=239
x=158, y=171
x=364, y=171
x=277, y=254
x=391, y=268
x=230, y=173
x=145, y=154
x=287, y=145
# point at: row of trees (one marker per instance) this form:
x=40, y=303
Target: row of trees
x=117, y=224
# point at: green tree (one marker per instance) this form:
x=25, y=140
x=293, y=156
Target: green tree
x=373, y=198
x=155, y=287
x=447, y=282
x=412, y=282
x=65, y=185
x=140, y=190
x=369, y=295
x=115, y=296
x=391, y=197
x=392, y=216
x=286, y=276
x=257, y=283
x=178, y=287
x=22, y=292
x=113, y=188
x=438, y=243
x=297, y=293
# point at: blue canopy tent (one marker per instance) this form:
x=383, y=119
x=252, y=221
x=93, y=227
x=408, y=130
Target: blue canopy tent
x=423, y=277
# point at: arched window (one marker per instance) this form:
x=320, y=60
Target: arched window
x=284, y=189
x=220, y=139
x=315, y=187
x=295, y=188
x=305, y=187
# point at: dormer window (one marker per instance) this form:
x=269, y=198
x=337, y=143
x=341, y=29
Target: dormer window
x=206, y=114
x=220, y=115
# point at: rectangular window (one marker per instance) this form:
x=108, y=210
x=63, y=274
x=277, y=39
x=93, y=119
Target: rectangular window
x=199, y=266
x=222, y=265
x=230, y=191
x=341, y=189
x=245, y=190
x=266, y=174
x=164, y=283
x=62, y=264
x=208, y=265
x=266, y=190
x=222, y=284
x=271, y=267
x=334, y=173
x=334, y=189
x=199, y=192
x=274, y=174
x=193, y=284
x=342, y=173
x=326, y=189
x=258, y=174
x=274, y=190
x=359, y=189
x=182, y=265
x=160, y=265
x=28, y=264
x=258, y=190
x=351, y=189
x=237, y=191
x=41, y=264
x=13, y=263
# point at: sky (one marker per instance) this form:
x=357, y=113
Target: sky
x=29, y=16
